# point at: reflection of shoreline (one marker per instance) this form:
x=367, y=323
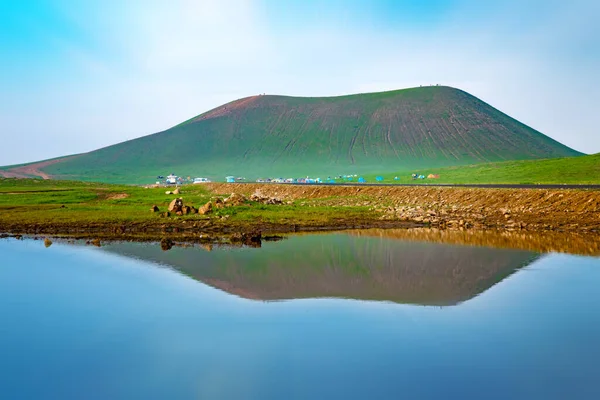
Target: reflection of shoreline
x=542, y=242
x=340, y=265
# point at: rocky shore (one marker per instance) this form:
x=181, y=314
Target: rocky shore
x=451, y=207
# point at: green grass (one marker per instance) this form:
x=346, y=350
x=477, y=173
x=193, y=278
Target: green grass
x=279, y=136
x=35, y=201
x=572, y=170
x=31, y=201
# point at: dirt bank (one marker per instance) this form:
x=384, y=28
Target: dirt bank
x=445, y=207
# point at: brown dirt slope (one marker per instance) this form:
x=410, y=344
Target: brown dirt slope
x=548, y=209
x=27, y=171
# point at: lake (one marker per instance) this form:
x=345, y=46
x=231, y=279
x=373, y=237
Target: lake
x=339, y=315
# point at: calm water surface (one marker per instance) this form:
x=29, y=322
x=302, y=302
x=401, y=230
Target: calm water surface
x=323, y=316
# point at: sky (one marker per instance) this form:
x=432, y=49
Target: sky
x=78, y=75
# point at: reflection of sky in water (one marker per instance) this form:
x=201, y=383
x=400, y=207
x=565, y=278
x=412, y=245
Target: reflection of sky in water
x=80, y=322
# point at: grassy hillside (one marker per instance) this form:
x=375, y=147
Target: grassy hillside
x=278, y=136
x=573, y=170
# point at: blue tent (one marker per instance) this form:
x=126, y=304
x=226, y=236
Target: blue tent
x=361, y=180
x=379, y=178
x=230, y=179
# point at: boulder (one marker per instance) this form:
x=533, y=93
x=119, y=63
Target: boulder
x=186, y=210
x=205, y=209
x=154, y=208
x=176, y=191
x=47, y=242
x=260, y=198
x=176, y=205
x=193, y=210
x=235, y=200
x=219, y=203
x=252, y=239
x=166, y=244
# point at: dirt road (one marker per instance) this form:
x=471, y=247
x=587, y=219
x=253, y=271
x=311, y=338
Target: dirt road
x=31, y=170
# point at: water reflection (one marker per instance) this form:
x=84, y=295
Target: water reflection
x=583, y=243
x=353, y=265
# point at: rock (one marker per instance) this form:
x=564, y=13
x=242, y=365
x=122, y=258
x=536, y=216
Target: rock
x=166, y=244
x=96, y=242
x=252, y=238
x=205, y=209
x=47, y=242
x=207, y=246
x=186, y=210
x=176, y=191
x=260, y=198
x=235, y=200
x=165, y=214
x=193, y=210
x=168, y=192
x=154, y=208
x=176, y=205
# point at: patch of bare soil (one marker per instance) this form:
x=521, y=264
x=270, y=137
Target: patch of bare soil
x=227, y=108
x=117, y=196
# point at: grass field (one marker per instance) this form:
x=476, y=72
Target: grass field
x=124, y=212
x=280, y=136
x=35, y=201
x=572, y=170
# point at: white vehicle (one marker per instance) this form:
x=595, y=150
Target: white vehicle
x=172, y=179
x=201, y=180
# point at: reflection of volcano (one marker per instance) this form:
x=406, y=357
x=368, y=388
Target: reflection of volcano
x=341, y=265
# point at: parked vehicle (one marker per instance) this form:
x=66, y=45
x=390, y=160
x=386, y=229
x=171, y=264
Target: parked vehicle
x=201, y=180
x=172, y=179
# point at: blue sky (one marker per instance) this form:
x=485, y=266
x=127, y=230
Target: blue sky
x=78, y=75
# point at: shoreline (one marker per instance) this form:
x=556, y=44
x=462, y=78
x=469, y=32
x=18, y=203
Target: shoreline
x=121, y=212
x=578, y=243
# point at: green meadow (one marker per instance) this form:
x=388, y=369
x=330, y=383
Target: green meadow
x=64, y=203
x=571, y=170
